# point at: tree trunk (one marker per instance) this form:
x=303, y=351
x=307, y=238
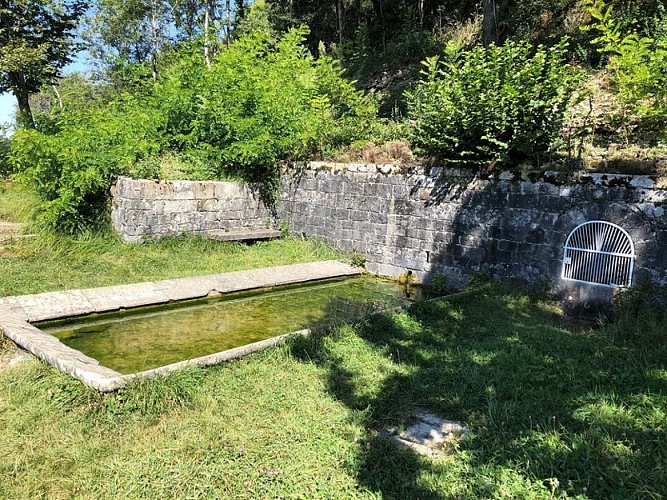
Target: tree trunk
x=207, y=54
x=240, y=10
x=228, y=20
x=60, y=99
x=379, y=11
x=155, y=38
x=489, y=24
x=339, y=15
x=24, y=118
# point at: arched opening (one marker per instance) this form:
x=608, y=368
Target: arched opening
x=599, y=253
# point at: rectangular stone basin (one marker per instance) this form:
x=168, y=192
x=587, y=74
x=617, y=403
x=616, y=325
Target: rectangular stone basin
x=108, y=336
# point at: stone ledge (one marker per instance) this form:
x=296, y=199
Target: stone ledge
x=555, y=177
x=242, y=234
x=71, y=303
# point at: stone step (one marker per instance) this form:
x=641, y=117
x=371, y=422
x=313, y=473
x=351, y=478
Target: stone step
x=243, y=234
x=12, y=231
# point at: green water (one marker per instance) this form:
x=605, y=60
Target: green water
x=141, y=340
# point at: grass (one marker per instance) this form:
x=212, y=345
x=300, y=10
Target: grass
x=552, y=413
x=51, y=263
x=16, y=202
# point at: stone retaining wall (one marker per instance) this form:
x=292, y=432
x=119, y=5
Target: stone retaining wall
x=508, y=225
x=142, y=208
x=425, y=220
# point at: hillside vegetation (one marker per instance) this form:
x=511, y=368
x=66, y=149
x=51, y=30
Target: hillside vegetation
x=233, y=91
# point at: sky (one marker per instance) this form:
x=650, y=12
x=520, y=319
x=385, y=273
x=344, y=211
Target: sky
x=7, y=106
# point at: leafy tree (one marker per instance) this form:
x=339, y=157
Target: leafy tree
x=36, y=41
x=122, y=32
x=638, y=66
x=263, y=101
x=71, y=170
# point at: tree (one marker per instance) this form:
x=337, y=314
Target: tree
x=489, y=24
x=36, y=42
x=121, y=32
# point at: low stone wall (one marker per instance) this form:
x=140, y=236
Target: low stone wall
x=142, y=208
x=431, y=220
x=424, y=220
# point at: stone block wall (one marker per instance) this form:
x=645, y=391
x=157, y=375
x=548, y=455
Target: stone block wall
x=418, y=219
x=431, y=220
x=143, y=208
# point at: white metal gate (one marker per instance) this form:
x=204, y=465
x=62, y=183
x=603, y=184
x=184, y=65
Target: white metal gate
x=599, y=253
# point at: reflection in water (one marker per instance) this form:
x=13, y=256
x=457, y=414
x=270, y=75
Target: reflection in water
x=135, y=342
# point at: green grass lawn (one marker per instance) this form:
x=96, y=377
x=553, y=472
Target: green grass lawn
x=53, y=263
x=552, y=413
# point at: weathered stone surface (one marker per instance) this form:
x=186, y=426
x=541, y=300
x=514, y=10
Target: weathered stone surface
x=242, y=234
x=149, y=209
x=427, y=220
x=428, y=434
x=51, y=350
x=112, y=298
x=445, y=221
x=51, y=305
x=13, y=306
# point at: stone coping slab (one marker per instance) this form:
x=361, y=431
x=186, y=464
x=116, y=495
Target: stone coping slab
x=18, y=312
x=242, y=234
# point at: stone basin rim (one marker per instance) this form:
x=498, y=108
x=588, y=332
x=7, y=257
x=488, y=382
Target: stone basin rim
x=18, y=312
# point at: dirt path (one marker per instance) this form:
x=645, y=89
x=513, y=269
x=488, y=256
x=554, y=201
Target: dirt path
x=10, y=231
x=10, y=228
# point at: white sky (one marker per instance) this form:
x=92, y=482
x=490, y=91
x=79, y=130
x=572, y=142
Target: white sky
x=7, y=106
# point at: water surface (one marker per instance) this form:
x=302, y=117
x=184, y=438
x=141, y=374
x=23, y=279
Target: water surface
x=144, y=339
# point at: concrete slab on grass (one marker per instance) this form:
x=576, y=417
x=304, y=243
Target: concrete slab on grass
x=428, y=434
x=242, y=234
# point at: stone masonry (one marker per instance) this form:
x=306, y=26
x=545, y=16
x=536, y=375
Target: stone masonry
x=430, y=220
x=425, y=220
x=143, y=208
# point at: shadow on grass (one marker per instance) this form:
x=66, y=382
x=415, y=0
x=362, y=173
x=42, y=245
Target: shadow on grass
x=552, y=411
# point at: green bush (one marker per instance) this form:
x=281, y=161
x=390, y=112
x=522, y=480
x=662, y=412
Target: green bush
x=262, y=101
x=506, y=104
x=72, y=170
x=638, y=66
x=5, y=167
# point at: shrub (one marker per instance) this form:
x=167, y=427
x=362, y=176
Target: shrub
x=639, y=314
x=5, y=167
x=637, y=64
x=261, y=102
x=72, y=170
x=505, y=104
